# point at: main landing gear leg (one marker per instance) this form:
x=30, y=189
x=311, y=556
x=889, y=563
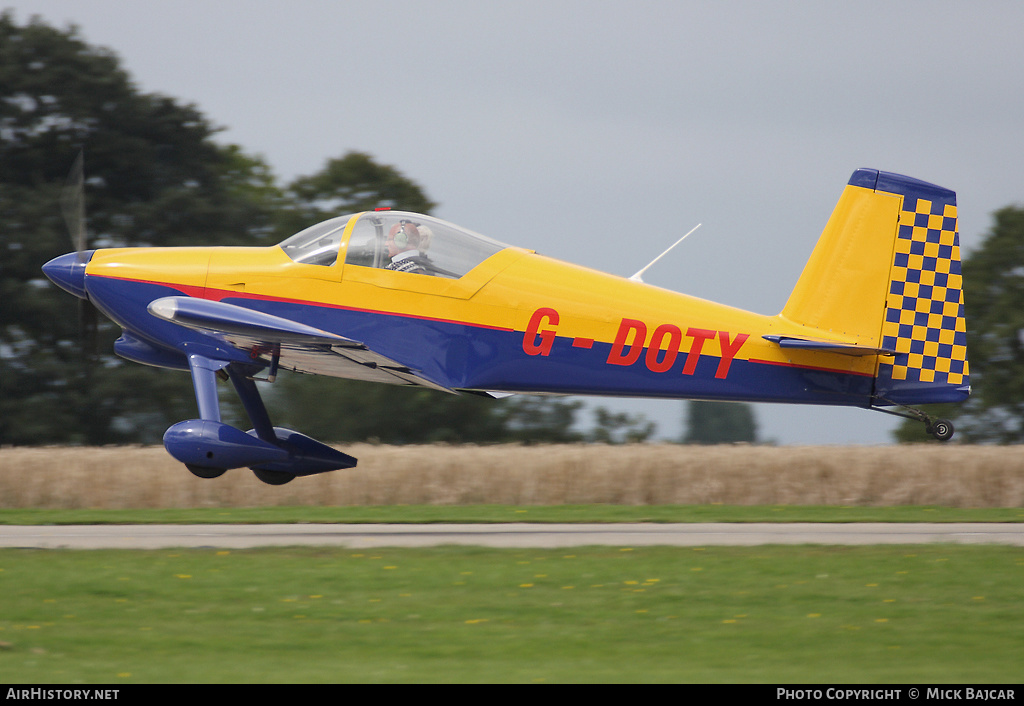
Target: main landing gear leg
x=941, y=429
x=253, y=404
x=257, y=411
x=204, y=380
x=208, y=446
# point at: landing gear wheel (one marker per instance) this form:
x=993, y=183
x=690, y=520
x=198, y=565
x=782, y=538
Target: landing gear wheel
x=273, y=477
x=941, y=429
x=205, y=471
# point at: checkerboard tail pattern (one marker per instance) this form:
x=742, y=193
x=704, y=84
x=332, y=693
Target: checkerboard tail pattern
x=924, y=318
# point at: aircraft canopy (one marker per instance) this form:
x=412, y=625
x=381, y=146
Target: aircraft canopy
x=394, y=240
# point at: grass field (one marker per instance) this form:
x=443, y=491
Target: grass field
x=719, y=614
x=647, y=474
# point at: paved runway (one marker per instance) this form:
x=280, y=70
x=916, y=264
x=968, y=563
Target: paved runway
x=502, y=535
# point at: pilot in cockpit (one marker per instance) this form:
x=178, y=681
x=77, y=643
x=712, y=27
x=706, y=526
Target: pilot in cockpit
x=404, y=242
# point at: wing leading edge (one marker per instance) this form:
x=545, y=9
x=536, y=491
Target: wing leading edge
x=295, y=345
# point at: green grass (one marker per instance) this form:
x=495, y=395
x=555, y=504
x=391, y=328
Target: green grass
x=510, y=513
x=927, y=614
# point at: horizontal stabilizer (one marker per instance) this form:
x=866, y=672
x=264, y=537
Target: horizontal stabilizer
x=809, y=344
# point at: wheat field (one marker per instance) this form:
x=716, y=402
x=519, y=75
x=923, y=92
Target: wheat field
x=643, y=474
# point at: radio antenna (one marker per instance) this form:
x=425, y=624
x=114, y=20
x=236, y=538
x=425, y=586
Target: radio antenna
x=638, y=276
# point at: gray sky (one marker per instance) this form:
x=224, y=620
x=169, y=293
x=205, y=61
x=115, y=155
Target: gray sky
x=599, y=131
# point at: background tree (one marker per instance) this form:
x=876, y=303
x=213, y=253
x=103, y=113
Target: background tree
x=349, y=184
x=343, y=411
x=538, y=419
x=993, y=285
x=153, y=177
x=713, y=422
x=619, y=428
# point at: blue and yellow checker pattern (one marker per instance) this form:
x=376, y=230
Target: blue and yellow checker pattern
x=924, y=320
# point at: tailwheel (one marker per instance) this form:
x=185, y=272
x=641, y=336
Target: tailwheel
x=205, y=471
x=274, y=477
x=941, y=429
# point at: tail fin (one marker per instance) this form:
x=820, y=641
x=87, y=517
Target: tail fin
x=886, y=274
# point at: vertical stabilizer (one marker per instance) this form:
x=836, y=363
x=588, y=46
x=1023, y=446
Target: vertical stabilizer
x=886, y=274
x=842, y=290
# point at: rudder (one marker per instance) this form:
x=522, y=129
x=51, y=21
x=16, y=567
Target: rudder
x=924, y=314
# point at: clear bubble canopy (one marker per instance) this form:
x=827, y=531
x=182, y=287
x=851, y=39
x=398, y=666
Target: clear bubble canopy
x=394, y=240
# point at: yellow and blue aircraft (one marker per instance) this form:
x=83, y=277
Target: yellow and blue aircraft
x=876, y=320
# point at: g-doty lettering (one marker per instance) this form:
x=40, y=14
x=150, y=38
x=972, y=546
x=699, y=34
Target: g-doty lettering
x=663, y=346
x=639, y=331
x=537, y=342
x=699, y=335
x=729, y=351
x=675, y=337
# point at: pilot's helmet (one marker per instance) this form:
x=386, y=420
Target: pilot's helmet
x=404, y=235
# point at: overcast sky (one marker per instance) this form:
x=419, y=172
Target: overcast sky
x=599, y=131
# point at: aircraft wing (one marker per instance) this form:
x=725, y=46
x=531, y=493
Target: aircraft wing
x=298, y=346
x=826, y=346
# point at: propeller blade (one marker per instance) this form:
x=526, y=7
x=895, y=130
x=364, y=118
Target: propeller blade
x=88, y=327
x=72, y=203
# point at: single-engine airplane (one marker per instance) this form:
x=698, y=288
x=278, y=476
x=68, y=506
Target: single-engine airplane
x=876, y=320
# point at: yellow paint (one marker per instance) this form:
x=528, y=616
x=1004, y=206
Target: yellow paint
x=176, y=266
x=842, y=290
